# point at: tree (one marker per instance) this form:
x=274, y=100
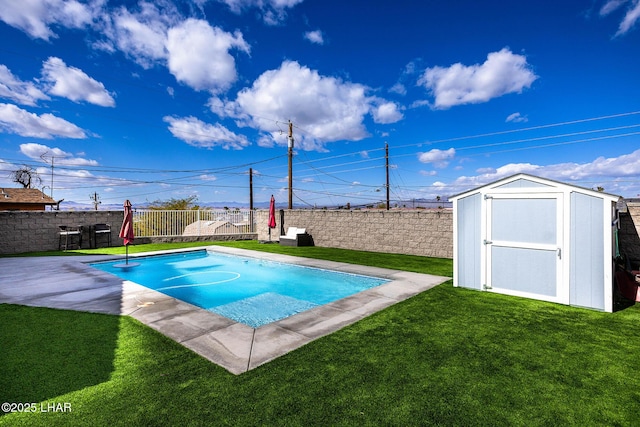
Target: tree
x=153, y=225
x=27, y=176
x=175, y=204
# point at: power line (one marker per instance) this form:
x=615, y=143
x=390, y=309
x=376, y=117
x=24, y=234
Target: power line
x=523, y=129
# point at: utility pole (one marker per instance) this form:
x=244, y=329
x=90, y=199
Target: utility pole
x=96, y=200
x=290, y=165
x=251, y=189
x=43, y=157
x=386, y=157
x=251, y=198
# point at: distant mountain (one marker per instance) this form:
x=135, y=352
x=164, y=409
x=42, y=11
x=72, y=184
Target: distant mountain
x=406, y=204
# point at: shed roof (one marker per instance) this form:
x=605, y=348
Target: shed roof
x=539, y=180
x=25, y=196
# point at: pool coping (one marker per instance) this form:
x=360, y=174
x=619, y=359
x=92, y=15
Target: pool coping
x=72, y=284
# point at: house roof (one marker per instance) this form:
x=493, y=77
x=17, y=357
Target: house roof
x=534, y=178
x=25, y=196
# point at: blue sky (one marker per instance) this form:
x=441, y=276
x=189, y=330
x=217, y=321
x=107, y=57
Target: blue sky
x=166, y=99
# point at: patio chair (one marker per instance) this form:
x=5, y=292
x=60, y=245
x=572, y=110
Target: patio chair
x=69, y=237
x=101, y=230
x=296, y=237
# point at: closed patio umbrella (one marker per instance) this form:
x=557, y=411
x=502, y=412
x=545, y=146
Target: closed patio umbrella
x=272, y=215
x=126, y=231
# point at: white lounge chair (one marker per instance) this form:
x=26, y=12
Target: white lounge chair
x=296, y=237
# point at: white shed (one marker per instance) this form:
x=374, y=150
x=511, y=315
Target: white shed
x=536, y=238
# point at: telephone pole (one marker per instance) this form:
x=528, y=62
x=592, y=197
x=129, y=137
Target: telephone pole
x=43, y=157
x=386, y=157
x=290, y=165
x=95, y=199
x=251, y=189
x=251, y=198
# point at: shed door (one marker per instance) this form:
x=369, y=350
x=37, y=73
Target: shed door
x=524, y=245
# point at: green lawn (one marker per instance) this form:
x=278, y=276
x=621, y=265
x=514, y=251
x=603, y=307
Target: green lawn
x=418, y=264
x=448, y=356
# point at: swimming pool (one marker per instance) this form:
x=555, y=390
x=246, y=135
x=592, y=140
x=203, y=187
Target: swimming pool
x=251, y=291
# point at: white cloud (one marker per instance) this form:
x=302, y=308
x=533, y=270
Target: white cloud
x=35, y=17
x=325, y=108
x=626, y=165
x=600, y=169
x=74, y=84
x=516, y=118
x=7, y=166
x=224, y=108
x=204, y=135
x=141, y=35
x=631, y=17
x=488, y=170
x=199, y=55
x=399, y=89
x=387, y=112
x=273, y=11
x=439, y=158
x=611, y=6
x=38, y=151
x=420, y=103
x=47, y=126
x=266, y=141
x=315, y=37
x=502, y=73
x=25, y=93
x=428, y=173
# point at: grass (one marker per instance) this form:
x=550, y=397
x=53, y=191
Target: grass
x=448, y=356
x=418, y=264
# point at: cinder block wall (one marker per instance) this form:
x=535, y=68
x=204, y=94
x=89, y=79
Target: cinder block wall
x=28, y=231
x=416, y=232
x=629, y=233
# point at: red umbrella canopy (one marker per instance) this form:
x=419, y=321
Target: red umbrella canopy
x=272, y=213
x=126, y=231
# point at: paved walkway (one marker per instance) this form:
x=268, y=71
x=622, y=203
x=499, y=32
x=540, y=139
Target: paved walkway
x=69, y=283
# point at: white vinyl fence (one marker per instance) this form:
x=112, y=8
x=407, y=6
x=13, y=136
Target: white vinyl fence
x=164, y=223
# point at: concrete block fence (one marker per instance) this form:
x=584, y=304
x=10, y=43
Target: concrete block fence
x=629, y=233
x=426, y=232
x=30, y=231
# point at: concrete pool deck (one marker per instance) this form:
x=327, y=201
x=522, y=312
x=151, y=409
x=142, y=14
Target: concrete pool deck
x=70, y=283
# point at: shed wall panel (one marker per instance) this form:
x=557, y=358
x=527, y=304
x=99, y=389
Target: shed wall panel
x=523, y=183
x=469, y=237
x=587, y=245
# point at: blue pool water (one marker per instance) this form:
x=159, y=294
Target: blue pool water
x=250, y=291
